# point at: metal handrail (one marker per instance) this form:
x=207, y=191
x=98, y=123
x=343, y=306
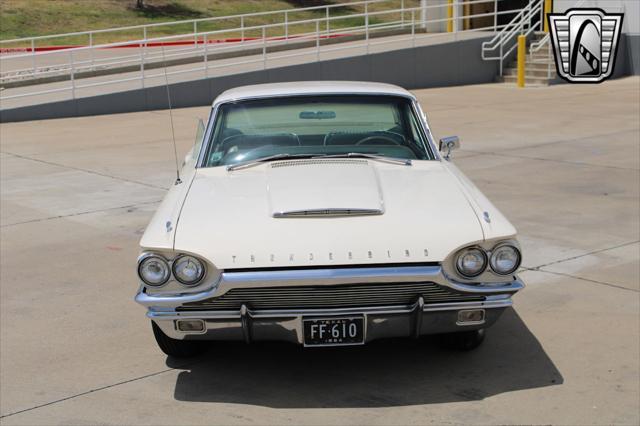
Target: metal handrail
x=544, y=40
x=79, y=62
x=191, y=21
x=35, y=71
x=506, y=36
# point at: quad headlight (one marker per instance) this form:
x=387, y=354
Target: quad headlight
x=154, y=270
x=505, y=259
x=188, y=270
x=471, y=262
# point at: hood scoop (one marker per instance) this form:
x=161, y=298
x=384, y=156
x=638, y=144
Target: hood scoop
x=324, y=188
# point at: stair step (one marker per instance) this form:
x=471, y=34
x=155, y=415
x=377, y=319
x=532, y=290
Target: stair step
x=528, y=80
x=538, y=55
x=531, y=72
x=534, y=65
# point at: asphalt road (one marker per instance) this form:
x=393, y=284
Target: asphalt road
x=563, y=163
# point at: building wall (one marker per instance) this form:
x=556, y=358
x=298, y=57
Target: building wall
x=628, y=61
x=630, y=8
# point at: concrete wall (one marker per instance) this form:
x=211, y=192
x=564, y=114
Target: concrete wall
x=633, y=53
x=446, y=64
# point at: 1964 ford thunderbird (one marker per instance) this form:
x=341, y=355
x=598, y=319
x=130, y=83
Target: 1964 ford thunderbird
x=323, y=213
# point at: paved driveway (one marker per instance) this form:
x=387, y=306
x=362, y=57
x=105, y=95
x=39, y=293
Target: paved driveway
x=561, y=162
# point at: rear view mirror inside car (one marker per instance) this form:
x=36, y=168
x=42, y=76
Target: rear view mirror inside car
x=317, y=115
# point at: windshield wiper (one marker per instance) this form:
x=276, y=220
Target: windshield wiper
x=394, y=160
x=251, y=163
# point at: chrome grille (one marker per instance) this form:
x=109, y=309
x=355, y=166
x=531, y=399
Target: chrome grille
x=336, y=296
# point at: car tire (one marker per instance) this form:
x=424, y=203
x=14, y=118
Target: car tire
x=463, y=340
x=174, y=347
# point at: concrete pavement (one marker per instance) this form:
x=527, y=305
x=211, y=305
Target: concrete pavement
x=562, y=162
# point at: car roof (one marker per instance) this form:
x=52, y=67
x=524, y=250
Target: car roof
x=298, y=88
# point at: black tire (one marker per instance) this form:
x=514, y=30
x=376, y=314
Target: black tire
x=176, y=348
x=463, y=340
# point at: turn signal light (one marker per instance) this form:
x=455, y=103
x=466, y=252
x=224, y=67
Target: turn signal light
x=471, y=316
x=190, y=326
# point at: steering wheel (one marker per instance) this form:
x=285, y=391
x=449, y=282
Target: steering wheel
x=366, y=140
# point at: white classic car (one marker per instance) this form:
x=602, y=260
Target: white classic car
x=323, y=213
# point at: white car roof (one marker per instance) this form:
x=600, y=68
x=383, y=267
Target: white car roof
x=297, y=88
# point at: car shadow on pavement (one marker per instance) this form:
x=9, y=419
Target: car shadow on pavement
x=381, y=374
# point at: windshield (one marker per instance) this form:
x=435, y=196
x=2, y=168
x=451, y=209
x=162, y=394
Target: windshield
x=315, y=126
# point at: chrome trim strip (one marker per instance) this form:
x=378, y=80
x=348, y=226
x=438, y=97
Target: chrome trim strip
x=378, y=310
x=334, y=212
x=327, y=276
x=172, y=300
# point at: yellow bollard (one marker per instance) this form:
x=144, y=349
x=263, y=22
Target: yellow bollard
x=547, y=10
x=450, y=17
x=522, y=54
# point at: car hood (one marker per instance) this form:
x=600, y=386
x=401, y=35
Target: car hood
x=326, y=212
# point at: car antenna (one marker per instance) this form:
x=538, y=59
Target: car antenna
x=173, y=132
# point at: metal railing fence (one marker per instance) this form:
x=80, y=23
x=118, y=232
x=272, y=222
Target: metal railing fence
x=259, y=44
x=505, y=41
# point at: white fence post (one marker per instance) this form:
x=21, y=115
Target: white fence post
x=242, y=29
x=33, y=56
x=264, y=48
x=317, y=40
x=73, y=71
x=142, y=52
x=327, y=20
x=286, y=25
x=495, y=15
x=195, y=34
x=91, y=49
x=413, y=29
x=206, y=56
x=366, y=25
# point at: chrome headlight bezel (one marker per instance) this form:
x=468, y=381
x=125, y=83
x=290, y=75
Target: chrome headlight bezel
x=147, y=257
x=202, y=271
x=466, y=250
x=496, y=250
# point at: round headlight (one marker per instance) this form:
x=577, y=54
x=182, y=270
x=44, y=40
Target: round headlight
x=154, y=270
x=188, y=270
x=505, y=259
x=471, y=262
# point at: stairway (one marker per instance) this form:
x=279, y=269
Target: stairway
x=540, y=67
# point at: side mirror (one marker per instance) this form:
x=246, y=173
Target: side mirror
x=448, y=144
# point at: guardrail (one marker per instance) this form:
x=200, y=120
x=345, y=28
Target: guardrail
x=258, y=44
x=505, y=41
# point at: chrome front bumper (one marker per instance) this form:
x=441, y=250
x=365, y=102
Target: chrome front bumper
x=249, y=325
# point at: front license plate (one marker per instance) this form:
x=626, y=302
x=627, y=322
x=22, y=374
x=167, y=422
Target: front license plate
x=333, y=331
